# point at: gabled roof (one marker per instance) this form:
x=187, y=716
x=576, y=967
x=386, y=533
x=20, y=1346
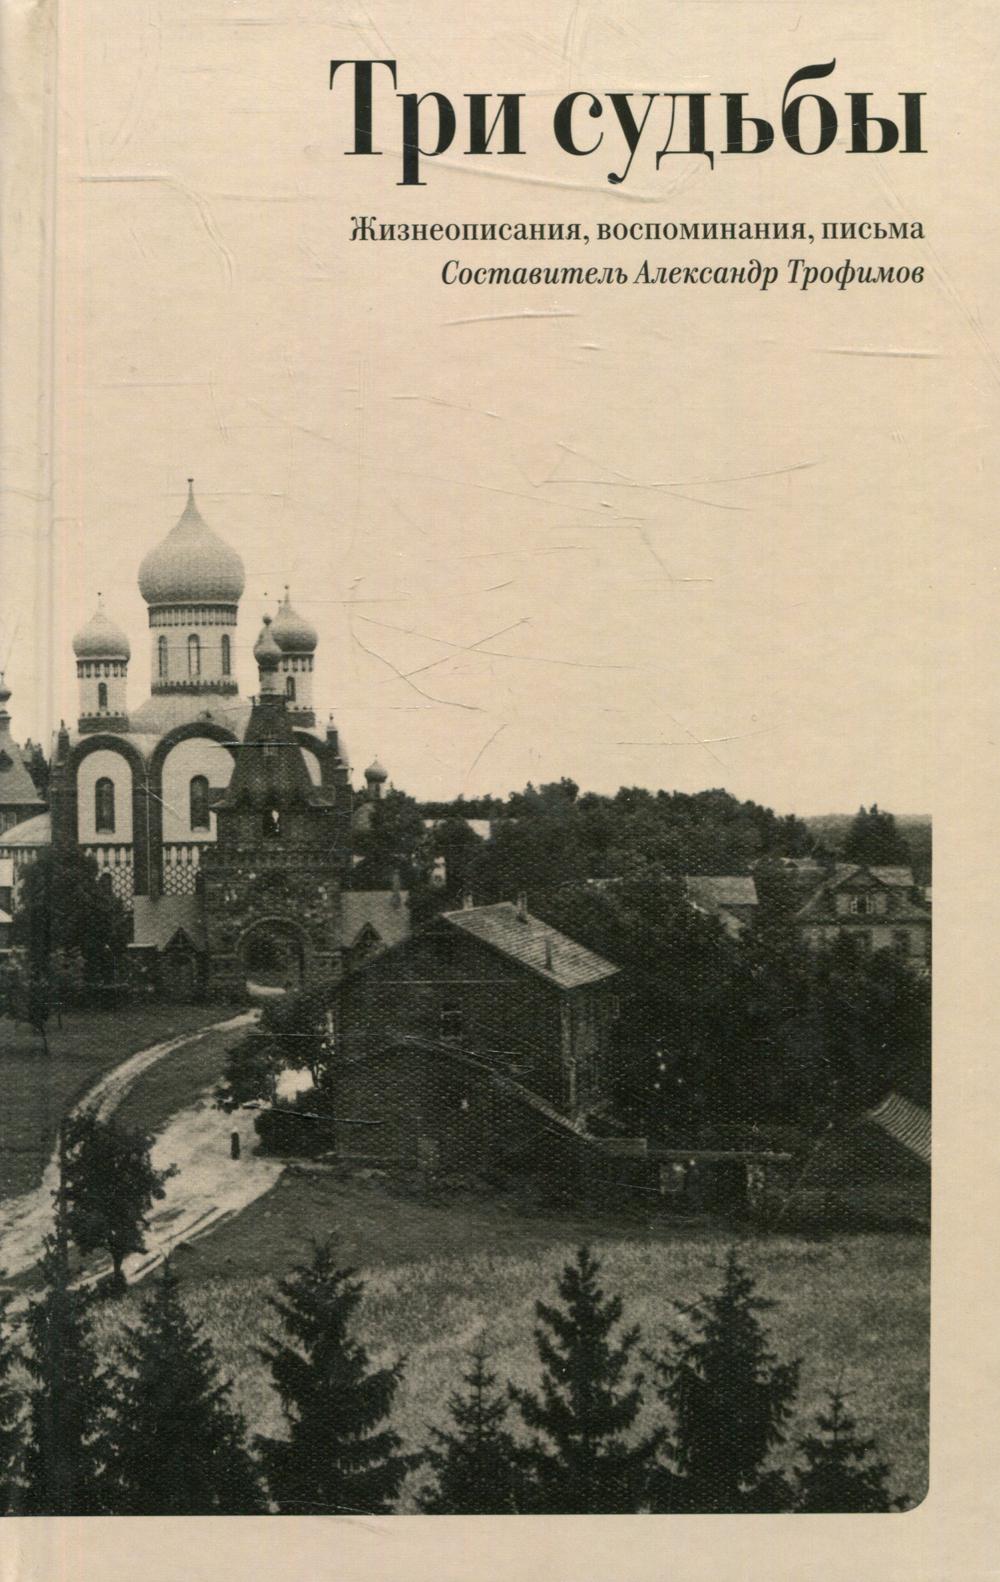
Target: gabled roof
x=897, y=878
x=907, y=908
x=17, y=789
x=386, y=911
x=35, y=831
x=710, y=891
x=532, y=943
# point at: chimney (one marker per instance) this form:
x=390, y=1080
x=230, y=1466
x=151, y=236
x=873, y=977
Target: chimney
x=522, y=906
x=397, y=897
x=467, y=902
x=548, y=952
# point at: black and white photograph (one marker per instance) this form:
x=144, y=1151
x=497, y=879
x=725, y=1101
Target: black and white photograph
x=488, y=504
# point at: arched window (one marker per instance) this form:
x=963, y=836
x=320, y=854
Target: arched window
x=102, y=694
x=272, y=823
x=227, y=661
x=104, y=806
x=161, y=657
x=290, y=688
x=194, y=655
x=198, y=797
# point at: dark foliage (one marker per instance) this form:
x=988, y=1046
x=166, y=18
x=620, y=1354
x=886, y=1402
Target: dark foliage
x=874, y=839
x=390, y=843
x=298, y=1029
x=65, y=905
x=475, y=1459
x=28, y=997
x=339, y=1458
x=177, y=1445
x=68, y=1403
x=11, y=1421
x=109, y=1186
x=731, y=1402
x=588, y=1403
x=841, y=1473
x=250, y=1072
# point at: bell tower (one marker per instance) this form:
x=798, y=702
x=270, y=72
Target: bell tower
x=272, y=880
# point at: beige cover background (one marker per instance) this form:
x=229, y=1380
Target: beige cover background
x=730, y=538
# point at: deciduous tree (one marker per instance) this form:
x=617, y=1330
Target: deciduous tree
x=109, y=1186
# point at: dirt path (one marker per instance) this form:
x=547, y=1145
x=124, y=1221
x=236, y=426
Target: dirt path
x=209, y=1186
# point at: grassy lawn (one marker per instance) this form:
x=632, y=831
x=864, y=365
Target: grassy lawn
x=37, y=1092
x=854, y=1307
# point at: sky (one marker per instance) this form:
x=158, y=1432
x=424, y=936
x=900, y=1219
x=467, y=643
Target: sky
x=668, y=536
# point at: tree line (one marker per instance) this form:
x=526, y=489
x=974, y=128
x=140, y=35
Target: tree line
x=156, y=1431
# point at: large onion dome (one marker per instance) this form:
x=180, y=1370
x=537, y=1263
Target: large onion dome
x=292, y=632
x=375, y=774
x=101, y=638
x=192, y=565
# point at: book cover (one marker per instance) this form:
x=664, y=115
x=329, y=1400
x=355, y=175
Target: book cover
x=495, y=573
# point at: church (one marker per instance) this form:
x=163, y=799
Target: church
x=224, y=824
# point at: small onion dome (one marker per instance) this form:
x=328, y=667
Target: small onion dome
x=375, y=774
x=265, y=649
x=292, y=632
x=101, y=638
x=192, y=565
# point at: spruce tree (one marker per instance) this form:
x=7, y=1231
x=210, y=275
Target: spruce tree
x=178, y=1446
x=339, y=1458
x=839, y=1474
x=66, y=1454
x=11, y=1423
x=731, y=1401
x=584, y=1465
x=475, y=1459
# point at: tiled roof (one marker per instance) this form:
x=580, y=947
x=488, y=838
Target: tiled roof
x=710, y=891
x=385, y=910
x=906, y=1123
x=532, y=943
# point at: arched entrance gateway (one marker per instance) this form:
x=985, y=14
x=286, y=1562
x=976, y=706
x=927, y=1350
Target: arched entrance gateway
x=272, y=955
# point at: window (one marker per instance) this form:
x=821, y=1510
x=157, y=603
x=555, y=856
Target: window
x=272, y=823
x=227, y=661
x=616, y=1008
x=161, y=658
x=102, y=694
x=290, y=688
x=199, y=803
x=194, y=655
x=901, y=941
x=860, y=905
x=452, y=1021
x=104, y=806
